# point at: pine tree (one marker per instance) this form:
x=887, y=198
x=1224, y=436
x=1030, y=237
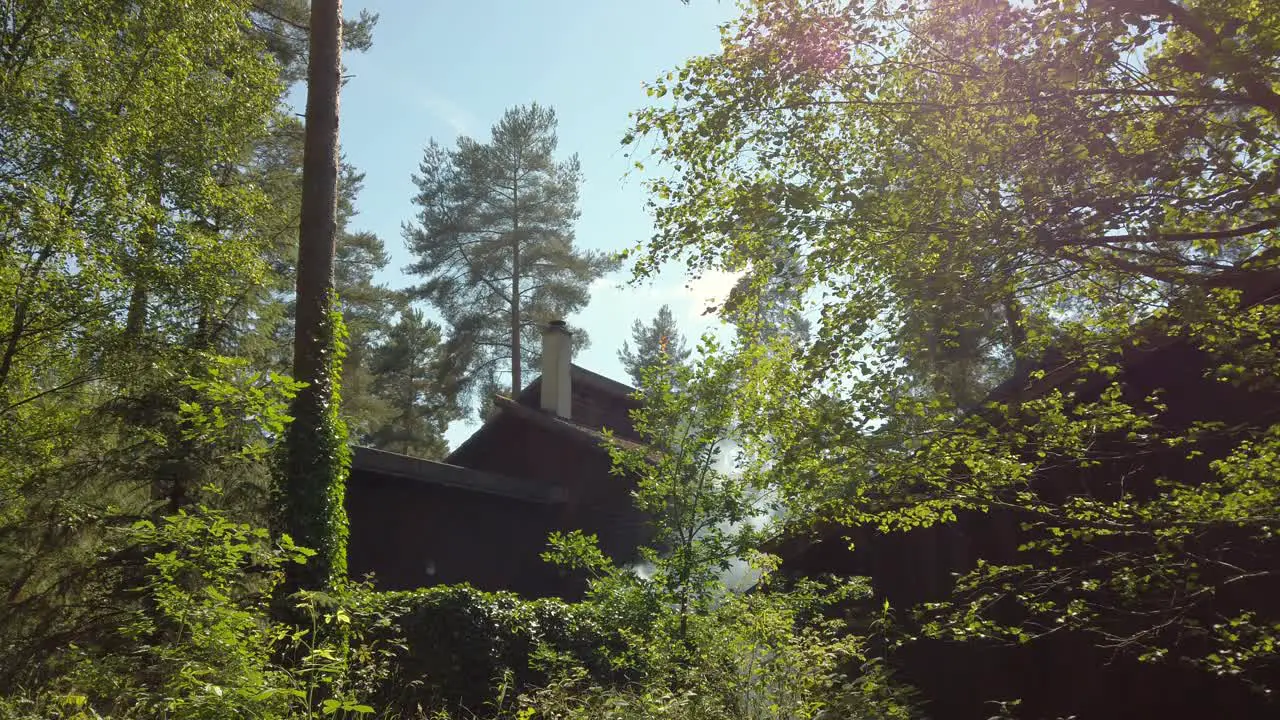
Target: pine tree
x=494, y=239
x=765, y=303
x=315, y=453
x=409, y=375
x=658, y=343
x=368, y=309
x=281, y=26
x=264, y=324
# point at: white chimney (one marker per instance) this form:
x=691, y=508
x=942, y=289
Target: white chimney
x=556, y=396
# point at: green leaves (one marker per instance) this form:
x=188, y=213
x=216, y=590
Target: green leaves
x=202, y=642
x=578, y=551
x=333, y=707
x=692, y=642
x=311, y=470
x=142, y=209
x=994, y=213
x=232, y=393
x=128, y=254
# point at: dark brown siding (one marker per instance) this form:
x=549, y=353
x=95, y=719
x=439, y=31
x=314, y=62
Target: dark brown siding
x=401, y=526
x=401, y=529
x=595, y=500
x=1065, y=675
x=596, y=410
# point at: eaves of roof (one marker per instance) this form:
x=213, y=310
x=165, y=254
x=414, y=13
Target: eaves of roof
x=381, y=462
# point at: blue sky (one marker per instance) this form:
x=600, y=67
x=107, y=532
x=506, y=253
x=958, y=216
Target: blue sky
x=440, y=68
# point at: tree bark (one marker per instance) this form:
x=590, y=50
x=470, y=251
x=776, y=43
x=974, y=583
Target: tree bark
x=310, y=492
x=21, y=306
x=136, y=318
x=318, y=230
x=515, y=283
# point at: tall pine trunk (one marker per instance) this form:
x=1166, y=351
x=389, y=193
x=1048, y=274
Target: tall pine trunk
x=311, y=481
x=515, y=283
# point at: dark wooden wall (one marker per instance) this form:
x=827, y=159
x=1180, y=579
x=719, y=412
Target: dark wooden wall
x=399, y=525
x=1065, y=675
x=595, y=500
x=413, y=534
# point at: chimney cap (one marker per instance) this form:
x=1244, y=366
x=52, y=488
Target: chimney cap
x=558, y=325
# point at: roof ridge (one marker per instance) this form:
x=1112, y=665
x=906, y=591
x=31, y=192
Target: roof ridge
x=576, y=430
x=604, y=382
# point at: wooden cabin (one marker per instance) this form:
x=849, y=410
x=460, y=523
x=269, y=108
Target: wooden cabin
x=483, y=514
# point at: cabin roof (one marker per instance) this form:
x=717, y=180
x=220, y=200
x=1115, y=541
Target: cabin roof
x=598, y=403
x=431, y=472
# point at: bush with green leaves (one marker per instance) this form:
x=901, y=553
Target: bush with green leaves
x=769, y=654
x=458, y=648
x=695, y=644
x=195, y=636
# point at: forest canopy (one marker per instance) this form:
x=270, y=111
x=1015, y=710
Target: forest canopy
x=981, y=194
x=1001, y=335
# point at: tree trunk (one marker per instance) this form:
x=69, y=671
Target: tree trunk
x=1015, y=321
x=21, y=305
x=318, y=231
x=515, y=283
x=136, y=318
x=311, y=482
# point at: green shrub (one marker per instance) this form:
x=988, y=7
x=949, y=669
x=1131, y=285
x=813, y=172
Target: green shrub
x=461, y=648
x=195, y=636
x=771, y=654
